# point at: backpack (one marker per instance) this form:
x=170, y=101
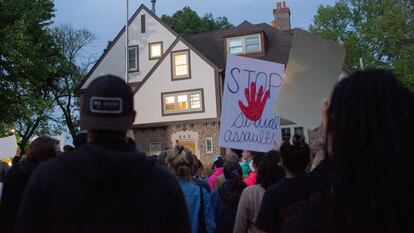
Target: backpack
x=226, y=221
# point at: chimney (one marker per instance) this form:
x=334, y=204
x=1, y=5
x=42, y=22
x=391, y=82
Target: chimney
x=278, y=5
x=153, y=5
x=282, y=16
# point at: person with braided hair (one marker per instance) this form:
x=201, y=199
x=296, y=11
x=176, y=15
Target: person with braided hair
x=181, y=162
x=369, y=127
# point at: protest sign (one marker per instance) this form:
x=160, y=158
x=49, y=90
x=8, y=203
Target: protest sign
x=8, y=146
x=313, y=69
x=250, y=91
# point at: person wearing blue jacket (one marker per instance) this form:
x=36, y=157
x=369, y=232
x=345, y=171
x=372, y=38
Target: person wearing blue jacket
x=180, y=161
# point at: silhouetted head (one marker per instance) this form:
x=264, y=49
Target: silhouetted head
x=43, y=148
x=370, y=137
x=269, y=172
x=295, y=155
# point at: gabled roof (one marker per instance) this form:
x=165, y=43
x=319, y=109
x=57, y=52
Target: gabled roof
x=142, y=7
x=166, y=53
x=212, y=44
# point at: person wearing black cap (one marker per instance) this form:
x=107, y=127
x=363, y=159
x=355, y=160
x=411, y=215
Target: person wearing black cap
x=105, y=186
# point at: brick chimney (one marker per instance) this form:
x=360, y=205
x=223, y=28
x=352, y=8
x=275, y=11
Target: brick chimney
x=282, y=16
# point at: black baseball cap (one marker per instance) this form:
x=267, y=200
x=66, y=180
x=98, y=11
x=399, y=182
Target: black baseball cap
x=108, y=104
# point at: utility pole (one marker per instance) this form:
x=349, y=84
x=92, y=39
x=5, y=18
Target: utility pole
x=126, y=42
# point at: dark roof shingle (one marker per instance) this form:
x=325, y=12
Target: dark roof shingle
x=212, y=44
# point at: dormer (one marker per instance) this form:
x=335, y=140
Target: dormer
x=247, y=40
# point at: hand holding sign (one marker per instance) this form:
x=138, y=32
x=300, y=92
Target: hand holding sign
x=255, y=106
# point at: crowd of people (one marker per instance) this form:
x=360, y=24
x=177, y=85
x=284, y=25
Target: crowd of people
x=360, y=182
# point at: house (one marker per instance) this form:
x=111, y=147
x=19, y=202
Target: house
x=178, y=82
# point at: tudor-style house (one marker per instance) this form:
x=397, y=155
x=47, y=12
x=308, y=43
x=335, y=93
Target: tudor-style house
x=178, y=82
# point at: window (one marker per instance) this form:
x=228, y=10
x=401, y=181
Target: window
x=286, y=134
x=180, y=65
x=298, y=130
x=142, y=23
x=244, y=44
x=236, y=46
x=133, y=58
x=209, y=145
x=155, y=50
x=183, y=102
x=252, y=44
x=155, y=148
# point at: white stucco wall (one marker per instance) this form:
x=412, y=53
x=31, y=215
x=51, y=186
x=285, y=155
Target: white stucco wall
x=114, y=61
x=148, y=102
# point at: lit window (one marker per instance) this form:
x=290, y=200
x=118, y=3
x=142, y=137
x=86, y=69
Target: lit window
x=170, y=103
x=244, y=44
x=180, y=63
x=133, y=58
x=155, y=148
x=183, y=102
x=195, y=100
x=286, y=134
x=155, y=50
x=209, y=145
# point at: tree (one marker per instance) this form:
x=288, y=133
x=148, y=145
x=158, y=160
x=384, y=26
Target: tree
x=29, y=67
x=187, y=22
x=380, y=32
x=71, y=43
x=27, y=57
x=37, y=119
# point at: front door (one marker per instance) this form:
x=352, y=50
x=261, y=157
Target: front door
x=188, y=144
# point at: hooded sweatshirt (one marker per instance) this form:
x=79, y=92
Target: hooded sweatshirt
x=218, y=172
x=102, y=187
x=251, y=179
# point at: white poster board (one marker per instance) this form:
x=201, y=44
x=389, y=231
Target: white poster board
x=8, y=146
x=313, y=69
x=251, y=88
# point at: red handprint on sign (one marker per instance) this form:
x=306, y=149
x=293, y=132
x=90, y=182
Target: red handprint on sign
x=255, y=104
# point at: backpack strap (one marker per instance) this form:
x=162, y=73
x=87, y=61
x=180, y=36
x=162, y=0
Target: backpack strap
x=201, y=216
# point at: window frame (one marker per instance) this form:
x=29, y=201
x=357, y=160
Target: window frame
x=150, y=57
x=178, y=52
x=212, y=146
x=136, y=69
x=164, y=95
x=243, y=39
x=281, y=133
x=151, y=152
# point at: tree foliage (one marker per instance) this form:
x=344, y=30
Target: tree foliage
x=29, y=63
x=381, y=32
x=187, y=22
x=74, y=65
